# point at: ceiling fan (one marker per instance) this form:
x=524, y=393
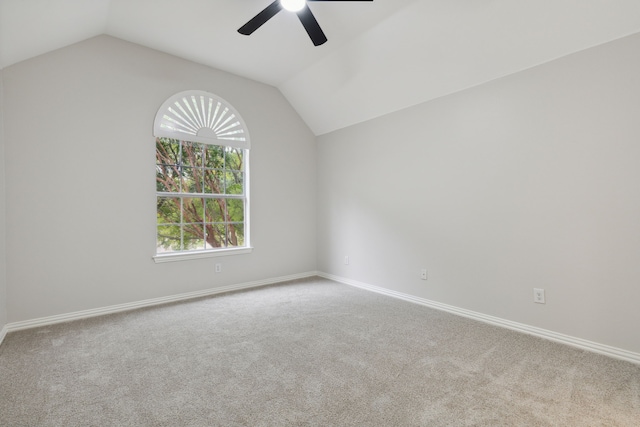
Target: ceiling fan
x=300, y=7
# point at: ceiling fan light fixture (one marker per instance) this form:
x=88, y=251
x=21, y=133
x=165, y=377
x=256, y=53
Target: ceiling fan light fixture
x=293, y=5
x=300, y=8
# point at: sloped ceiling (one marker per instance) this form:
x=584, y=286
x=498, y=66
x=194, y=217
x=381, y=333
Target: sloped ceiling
x=381, y=56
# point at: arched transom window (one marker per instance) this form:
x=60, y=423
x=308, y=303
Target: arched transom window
x=202, y=171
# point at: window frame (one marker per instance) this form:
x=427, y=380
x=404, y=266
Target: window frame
x=218, y=135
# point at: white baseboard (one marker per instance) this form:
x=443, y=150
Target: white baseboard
x=45, y=321
x=3, y=333
x=520, y=327
x=594, y=347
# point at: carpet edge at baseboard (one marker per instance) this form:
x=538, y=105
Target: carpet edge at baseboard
x=68, y=317
x=594, y=347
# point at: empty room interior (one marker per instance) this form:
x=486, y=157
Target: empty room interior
x=367, y=213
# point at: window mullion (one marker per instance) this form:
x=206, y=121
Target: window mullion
x=181, y=223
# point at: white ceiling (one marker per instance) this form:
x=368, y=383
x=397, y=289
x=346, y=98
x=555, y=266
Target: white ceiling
x=381, y=56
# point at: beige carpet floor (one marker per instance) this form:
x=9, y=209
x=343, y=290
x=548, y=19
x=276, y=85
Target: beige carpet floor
x=305, y=353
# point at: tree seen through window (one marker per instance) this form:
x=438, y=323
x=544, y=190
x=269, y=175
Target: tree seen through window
x=200, y=196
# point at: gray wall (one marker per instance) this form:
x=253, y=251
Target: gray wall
x=80, y=183
x=532, y=180
x=528, y=181
x=3, y=264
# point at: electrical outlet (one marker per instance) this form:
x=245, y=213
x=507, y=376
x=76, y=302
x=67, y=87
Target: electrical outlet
x=423, y=274
x=538, y=295
x=346, y=260
x=218, y=268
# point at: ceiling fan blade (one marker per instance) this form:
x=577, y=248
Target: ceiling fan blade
x=311, y=25
x=262, y=17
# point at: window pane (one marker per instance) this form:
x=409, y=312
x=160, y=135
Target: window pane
x=235, y=208
x=213, y=181
x=234, y=159
x=167, y=178
x=168, y=238
x=214, y=157
x=192, y=180
x=215, y=210
x=234, y=183
x=168, y=210
x=192, y=154
x=192, y=210
x=235, y=234
x=216, y=235
x=167, y=151
x=189, y=180
x=193, y=237
x=207, y=243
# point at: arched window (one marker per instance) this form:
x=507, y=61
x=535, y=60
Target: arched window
x=202, y=178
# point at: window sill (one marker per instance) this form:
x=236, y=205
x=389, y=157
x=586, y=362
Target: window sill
x=187, y=256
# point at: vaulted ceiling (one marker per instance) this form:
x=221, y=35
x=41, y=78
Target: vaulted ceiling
x=381, y=56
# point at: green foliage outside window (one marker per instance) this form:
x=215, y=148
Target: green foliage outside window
x=200, y=202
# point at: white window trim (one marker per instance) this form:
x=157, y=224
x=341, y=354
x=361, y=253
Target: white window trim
x=187, y=256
